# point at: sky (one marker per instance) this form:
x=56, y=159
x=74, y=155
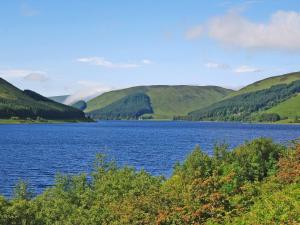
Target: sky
x=85, y=48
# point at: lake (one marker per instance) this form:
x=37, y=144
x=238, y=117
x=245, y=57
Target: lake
x=37, y=152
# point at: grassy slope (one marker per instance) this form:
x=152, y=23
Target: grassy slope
x=289, y=108
x=22, y=100
x=267, y=83
x=166, y=101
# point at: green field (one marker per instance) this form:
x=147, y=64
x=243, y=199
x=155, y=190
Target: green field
x=166, y=101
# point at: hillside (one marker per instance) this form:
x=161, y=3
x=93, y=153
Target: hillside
x=129, y=107
x=166, y=101
x=267, y=83
x=79, y=105
x=28, y=104
x=244, y=106
x=287, y=109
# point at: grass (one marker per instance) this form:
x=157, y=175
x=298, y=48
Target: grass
x=289, y=108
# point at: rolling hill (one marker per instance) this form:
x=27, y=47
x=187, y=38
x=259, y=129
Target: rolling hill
x=267, y=103
x=129, y=107
x=287, y=109
x=166, y=101
x=267, y=83
x=28, y=104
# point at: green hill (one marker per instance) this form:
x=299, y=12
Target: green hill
x=245, y=106
x=267, y=83
x=28, y=104
x=287, y=109
x=166, y=101
x=129, y=107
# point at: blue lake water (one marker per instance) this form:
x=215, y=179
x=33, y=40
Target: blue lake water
x=37, y=152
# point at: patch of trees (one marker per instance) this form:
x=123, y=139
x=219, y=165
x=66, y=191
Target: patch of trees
x=129, y=107
x=241, y=107
x=255, y=183
x=269, y=117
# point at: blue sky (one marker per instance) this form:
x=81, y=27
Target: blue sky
x=86, y=47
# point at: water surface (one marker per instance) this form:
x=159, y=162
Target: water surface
x=37, y=152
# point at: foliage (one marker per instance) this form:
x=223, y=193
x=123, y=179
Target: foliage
x=269, y=117
x=255, y=183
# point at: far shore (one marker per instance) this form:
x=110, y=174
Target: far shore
x=27, y=121
x=32, y=121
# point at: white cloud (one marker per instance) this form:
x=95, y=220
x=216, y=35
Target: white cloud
x=87, y=90
x=146, y=61
x=214, y=65
x=246, y=69
x=29, y=75
x=36, y=76
x=100, y=61
x=194, y=32
x=281, y=32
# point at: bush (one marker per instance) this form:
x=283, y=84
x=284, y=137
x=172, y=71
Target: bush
x=256, y=183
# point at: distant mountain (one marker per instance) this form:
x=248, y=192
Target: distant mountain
x=28, y=104
x=166, y=101
x=59, y=99
x=79, y=105
x=62, y=99
x=268, y=103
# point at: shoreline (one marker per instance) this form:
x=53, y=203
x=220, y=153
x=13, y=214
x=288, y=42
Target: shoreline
x=13, y=122
x=20, y=121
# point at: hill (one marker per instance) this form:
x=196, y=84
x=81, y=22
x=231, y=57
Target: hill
x=28, y=104
x=79, y=105
x=129, y=107
x=267, y=83
x=166, y=101
x=287, y=109
x=244, y=106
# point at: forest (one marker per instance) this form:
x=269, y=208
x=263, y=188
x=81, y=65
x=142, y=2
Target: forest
x=257, y=182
